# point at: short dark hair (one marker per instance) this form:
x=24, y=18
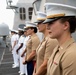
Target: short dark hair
x=72, y=22
x=35, y=29
x=21, y=32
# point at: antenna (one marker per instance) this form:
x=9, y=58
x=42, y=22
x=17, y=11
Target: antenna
x=36, y=5
x=10, y=6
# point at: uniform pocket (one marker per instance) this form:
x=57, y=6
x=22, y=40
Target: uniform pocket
x=67, y=65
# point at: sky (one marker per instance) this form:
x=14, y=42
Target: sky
x=7, y=15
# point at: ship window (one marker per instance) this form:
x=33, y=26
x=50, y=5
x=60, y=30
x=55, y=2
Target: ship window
x=22, y=13
x=30, y=10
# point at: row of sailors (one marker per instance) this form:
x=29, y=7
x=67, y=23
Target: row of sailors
x=55, y=54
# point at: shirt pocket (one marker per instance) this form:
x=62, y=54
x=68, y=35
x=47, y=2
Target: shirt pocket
x=55, y=70
x=65, y=66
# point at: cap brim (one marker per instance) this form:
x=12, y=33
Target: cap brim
x=38, y=21
x=49, y=20
x=19, y=29
x=12, y=31
x=54, y=19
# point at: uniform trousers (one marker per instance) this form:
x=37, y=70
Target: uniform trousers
x=15, y=57
x=23, y=68
x=30, y=67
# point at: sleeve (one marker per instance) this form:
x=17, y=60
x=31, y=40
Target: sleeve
x=50, y=45
x=69, y=64
x=35, y=43
x=21, y=39
x=14, y=38
x=17, y=37
x=25, y=41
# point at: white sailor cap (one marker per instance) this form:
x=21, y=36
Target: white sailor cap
x=25, y=28
x=20, y=29
x=12, y=30
x=16, y=31
x=41, y=16
x=29, y=24
x=55, y=10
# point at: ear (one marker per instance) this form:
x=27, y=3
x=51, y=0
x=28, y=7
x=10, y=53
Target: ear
x=32, y=30
x=66, y=25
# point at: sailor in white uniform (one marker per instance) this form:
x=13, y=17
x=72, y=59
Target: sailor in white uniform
x=20, y=49
x=13, y=44
x=15, y=48
x=23, y=67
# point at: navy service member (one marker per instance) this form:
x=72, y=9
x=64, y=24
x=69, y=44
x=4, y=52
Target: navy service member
x=61, y=20
x=45, y=48
x=23, y=53
x=23, y=68
x=31, y=46
x=13, y=44
x=20, y=45
x=15, y=47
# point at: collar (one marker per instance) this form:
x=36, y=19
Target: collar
x=33, y=35
x=46, y=37
x=66, y=44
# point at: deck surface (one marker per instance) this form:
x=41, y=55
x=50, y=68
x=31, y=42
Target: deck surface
x=6, y=62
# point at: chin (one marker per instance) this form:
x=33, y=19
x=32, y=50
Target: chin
x=52, y=36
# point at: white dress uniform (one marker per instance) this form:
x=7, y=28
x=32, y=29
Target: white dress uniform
x=23, y=68
x=15, y=48
x=13, y=39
